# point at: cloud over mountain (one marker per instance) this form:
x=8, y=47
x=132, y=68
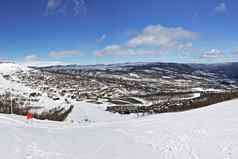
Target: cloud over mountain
x=214, y=53
x=61, y=54
x=152, y=40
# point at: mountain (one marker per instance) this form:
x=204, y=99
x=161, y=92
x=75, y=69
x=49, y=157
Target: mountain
x=227, y=69
x=118, y=88
x=222, y=75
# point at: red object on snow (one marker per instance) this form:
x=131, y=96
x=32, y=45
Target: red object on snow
x=29, y=116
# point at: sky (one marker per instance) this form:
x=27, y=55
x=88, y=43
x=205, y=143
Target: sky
x=106, y=31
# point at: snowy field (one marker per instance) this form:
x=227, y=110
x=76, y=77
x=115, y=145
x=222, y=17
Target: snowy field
x=206, y=133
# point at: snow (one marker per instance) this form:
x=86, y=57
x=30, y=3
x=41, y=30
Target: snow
x=6, y=85
x=10, y=68
x=95, y=113
x=207, y=90
x=134, y=75
x=210, y=132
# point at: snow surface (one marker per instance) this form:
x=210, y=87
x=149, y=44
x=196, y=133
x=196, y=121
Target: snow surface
x=6, y=85
x=206, y=133
x=10, y=68
x=207, y=90
x=85, y=113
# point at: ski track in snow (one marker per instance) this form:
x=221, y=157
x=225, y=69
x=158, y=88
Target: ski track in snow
x=210, y=132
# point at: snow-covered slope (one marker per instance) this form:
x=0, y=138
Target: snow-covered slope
x=15, y=86
x=206, y=133
x=10, y=68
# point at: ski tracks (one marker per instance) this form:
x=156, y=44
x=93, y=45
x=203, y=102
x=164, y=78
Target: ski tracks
x=166, y=148
x=34, y=151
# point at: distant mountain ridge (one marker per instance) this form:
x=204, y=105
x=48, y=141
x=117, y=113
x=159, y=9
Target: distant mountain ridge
x=225, y=70
x=6, y=61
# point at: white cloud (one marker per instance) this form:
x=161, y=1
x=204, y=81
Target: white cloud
x=120, y=50
x=32, y=57
x=220, y=8
x=163, y=37
x=53, y=4
x=80, y=5
x=61, y=54
x=113, y=49
x=35, y=60
x=46, y=63
x=56, y=6
x=110, y=49
x=102, y=38
x=153, y=40
x=235, y=52
x=214, y=53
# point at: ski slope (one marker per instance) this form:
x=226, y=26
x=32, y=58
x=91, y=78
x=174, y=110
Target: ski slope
x=206, y=133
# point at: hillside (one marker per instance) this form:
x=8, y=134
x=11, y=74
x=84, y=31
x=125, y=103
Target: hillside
x=91, y=130
x=132, y=88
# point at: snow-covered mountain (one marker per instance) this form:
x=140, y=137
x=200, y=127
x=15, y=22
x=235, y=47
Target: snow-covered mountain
x=31, y=90
x=132, y=87
x=90, y=131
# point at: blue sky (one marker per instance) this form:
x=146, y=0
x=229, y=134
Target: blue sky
x=106, y=31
